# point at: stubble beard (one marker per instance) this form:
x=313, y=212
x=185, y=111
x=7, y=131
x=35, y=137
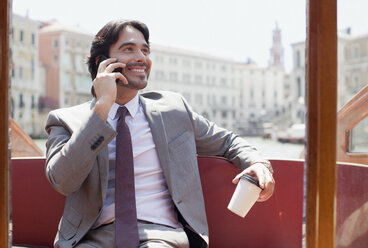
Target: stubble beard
x=134, y=84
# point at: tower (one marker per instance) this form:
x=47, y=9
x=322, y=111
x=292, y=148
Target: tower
x=276, y=51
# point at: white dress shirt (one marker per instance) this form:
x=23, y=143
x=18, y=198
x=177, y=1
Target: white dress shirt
x=153, y=200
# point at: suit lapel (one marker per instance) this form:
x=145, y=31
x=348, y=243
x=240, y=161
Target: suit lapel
x=157, y=126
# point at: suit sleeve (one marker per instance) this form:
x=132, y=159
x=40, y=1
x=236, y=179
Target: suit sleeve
x=70, y=153
x=212, y=140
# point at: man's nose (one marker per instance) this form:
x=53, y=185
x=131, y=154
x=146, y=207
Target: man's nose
x=140, y=56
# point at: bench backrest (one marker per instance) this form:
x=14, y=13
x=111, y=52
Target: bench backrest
x=36, y=207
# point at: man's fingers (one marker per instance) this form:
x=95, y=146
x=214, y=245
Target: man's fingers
x=120, y=76
x=111, y=67
x=102, y=66
x=269, y=188
x=236, y=178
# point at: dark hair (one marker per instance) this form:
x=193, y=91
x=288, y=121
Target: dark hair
x=105, y=38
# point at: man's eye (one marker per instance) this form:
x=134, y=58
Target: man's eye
x=146, y=51
x=128, y=49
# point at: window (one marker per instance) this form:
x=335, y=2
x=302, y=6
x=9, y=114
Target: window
x=12, y=107
x=32, y=68
x=198, y=99
x=173, y=76
x=186, y=62
x=213, y=80
x=356, y=86
x=32, y=102
x=21, y=103
x=198, y=64
x=299, y=86
x=21, y=36
x=358, y=137
x=55, y=43
x=13, y=70
x=186, y=78
x=159, y=75
x=20, y=72
x=298, y=63
x=33, y=39
x=224, y=100
x=198, y=79
x=356, y=51
x=173, y=61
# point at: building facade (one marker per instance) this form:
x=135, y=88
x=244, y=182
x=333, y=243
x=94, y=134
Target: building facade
x=207, y=82
x=63, y=55
x=238, y=96
x=352, y=67
x=26, y=86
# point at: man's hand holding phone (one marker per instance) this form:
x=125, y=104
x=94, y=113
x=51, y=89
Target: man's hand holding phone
x=105, y=85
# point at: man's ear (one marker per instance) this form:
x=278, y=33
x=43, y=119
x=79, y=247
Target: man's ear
x=96, y=60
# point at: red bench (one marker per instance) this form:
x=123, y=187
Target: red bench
x=36, y=207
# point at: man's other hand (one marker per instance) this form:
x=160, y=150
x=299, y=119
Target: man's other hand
x=263, y=175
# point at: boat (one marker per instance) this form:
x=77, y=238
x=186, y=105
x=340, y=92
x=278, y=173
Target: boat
x=294, y=134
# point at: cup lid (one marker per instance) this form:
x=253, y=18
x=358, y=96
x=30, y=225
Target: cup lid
x=251, y=179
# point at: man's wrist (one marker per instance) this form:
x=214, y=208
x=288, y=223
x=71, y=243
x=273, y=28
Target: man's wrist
x=267, y=164
x=102, y=107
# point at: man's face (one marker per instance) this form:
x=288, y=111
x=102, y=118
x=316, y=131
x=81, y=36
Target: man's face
x=132, y=50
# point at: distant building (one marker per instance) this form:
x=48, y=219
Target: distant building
x=238, y=96
x=26, y=87
x=354, y=70
x=352, y=66
x=262, y=98
x=207, y=82
x=243, y=97
x=63, y=54
x=297, y=86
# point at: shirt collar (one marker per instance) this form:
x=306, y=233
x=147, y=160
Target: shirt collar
x=132, y=106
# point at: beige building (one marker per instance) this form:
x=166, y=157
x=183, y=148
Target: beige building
x=237, y=96
x=262, y=98
x=26, y=86
x=207, y=82
x=355, y=67
x=352, y=72
x=63, y=52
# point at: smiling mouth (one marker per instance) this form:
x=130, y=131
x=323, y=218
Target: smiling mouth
x=138, y=70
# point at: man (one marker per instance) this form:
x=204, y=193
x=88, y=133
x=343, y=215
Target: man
x=86, y=149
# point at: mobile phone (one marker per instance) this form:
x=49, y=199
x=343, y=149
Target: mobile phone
x=102, y=58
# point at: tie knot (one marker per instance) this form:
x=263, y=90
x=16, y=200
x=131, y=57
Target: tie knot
x=122, y=112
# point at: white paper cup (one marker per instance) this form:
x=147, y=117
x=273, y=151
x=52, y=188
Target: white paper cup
x=245, y=195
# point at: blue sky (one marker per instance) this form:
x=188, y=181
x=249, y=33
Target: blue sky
x=235, y=29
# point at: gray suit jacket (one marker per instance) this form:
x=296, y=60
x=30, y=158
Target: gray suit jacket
x=77, y=160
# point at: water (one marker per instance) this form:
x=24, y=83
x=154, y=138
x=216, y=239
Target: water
x=269, y=148
x=273, y=149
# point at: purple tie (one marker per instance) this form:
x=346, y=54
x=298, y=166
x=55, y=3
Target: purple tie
x=126, y=230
